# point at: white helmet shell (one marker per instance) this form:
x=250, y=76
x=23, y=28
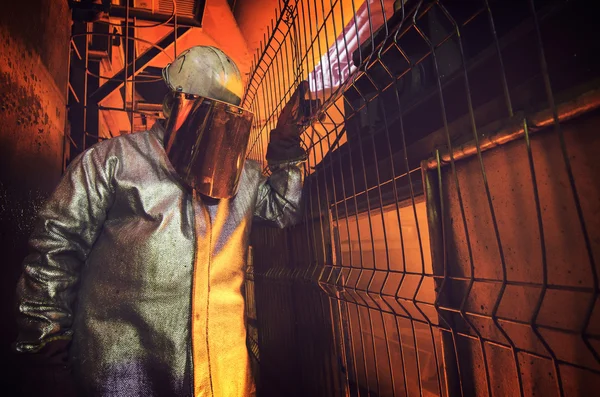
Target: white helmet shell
x=207, y=72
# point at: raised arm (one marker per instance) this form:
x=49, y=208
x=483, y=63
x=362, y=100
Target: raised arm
x=279, y=198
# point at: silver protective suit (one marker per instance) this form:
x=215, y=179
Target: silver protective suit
x=145, y=275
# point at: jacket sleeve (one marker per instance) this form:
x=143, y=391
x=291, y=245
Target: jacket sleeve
x=280, y=195
x=65, y=232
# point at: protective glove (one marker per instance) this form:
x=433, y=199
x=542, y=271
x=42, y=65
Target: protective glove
x=284, y=143
x=47, y=373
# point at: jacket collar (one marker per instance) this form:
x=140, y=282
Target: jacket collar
x=158, y=130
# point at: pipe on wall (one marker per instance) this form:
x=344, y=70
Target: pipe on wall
x=515, y=129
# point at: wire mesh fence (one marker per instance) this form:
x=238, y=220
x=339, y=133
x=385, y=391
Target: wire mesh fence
x=451, y=229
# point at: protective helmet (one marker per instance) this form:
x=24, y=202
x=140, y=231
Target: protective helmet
x=206, y=72
x=206, y=133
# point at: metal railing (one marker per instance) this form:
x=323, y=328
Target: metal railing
x=93, y=77
x=451, y=234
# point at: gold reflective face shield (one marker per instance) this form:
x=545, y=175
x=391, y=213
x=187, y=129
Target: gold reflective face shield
x=206, y=142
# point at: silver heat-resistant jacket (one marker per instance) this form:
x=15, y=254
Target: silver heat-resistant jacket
x=144, y=275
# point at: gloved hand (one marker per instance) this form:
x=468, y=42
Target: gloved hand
x=284, y=144
x=47, y=373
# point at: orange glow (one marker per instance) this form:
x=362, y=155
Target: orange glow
x=220, y=356
x=371, y=241
x=363, y=239
x=219, y=29
x=328, y=50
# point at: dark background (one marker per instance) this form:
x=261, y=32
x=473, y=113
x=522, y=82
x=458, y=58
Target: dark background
x=34, y=54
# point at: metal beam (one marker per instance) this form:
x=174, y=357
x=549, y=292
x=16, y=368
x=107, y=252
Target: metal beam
x=140, y=63
x=120, y=12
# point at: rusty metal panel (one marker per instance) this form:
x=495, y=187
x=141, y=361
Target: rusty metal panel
x=519, y=278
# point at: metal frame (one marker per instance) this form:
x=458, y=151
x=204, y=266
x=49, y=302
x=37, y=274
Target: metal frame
x=90, y=45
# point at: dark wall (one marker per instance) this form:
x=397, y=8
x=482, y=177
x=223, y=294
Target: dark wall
x=34, y=53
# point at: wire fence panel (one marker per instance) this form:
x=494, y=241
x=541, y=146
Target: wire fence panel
x=450, y=244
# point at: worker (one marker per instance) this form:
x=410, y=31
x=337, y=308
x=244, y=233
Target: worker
x=133, y=281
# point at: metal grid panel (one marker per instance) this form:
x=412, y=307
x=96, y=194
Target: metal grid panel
x=451, y=234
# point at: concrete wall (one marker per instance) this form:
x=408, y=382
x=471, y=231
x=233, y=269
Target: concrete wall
x=34, y=53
